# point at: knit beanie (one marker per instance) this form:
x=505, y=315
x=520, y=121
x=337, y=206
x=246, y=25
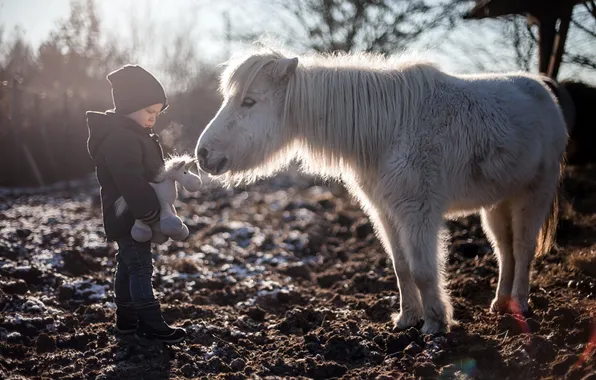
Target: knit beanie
x=134, y=88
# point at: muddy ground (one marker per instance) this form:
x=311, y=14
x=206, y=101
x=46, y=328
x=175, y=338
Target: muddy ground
x=283, y=279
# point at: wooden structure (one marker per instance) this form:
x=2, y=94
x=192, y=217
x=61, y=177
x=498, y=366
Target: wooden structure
x=551, y=16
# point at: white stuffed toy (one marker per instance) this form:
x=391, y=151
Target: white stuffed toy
x=176, y=169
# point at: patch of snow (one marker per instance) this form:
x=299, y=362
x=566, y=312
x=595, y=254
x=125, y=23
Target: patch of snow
x=13, y=335
x=90, y=290
x=34, y=305
x=209, y=249
x=266, y=290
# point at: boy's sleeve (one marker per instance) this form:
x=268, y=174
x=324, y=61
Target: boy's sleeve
x=124, y=161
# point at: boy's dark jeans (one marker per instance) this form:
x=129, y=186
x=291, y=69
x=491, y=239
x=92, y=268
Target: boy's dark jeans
x=134, y=272
x=136, y=305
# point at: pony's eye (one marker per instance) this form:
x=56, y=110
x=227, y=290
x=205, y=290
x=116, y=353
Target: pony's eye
x=184, y=172
x=248, y=102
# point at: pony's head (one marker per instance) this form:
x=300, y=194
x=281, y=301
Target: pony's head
x=178, y=168
x=248, y=130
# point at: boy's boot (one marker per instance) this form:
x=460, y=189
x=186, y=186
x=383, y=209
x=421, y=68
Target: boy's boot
x=152, y=325
x=126, y=318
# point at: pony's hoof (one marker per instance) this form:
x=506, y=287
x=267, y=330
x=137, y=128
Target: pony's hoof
x=510, y=305
x=500, y=305
x=433, y=327
x=404, y=321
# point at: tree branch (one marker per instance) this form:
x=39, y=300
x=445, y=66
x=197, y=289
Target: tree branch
x=580, y=60
x=583, y=28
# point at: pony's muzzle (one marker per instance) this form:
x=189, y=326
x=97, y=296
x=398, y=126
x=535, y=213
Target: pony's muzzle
x=208, y=164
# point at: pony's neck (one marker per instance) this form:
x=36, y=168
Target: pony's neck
x=342, y=117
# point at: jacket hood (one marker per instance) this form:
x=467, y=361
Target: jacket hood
x=102, y=124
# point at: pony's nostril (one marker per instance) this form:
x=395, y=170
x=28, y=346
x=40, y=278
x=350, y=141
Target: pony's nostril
x=221, y=164
x=202, y=153
x=202, y=157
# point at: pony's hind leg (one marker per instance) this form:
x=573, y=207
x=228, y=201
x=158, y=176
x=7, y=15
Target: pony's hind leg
x=529, y=213
x=496, y=223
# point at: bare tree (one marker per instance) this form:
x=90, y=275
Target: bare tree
x=522, y=40
x=18, y=57
x=517, y=42
x=383, y=26
x=389, y=26
x=173, y=56
x=581, y=51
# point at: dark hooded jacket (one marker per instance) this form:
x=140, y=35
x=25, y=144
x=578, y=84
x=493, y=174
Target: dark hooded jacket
x=127, y=157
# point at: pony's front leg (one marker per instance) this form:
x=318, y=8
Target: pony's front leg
x=410, y=304
x=425, y=252
x=411, y=310
x=387, y=231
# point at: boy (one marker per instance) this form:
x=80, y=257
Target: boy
x=127, y=156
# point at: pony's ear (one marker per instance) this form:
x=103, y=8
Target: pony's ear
x=285, y=68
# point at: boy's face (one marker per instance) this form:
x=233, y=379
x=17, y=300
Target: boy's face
x=146, y=117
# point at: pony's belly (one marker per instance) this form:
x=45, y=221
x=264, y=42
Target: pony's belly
x=461, y=209
x=472, y=203
x=487, y=185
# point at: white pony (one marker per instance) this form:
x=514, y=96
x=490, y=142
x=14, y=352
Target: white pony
x=413, y=144
x=176, y=169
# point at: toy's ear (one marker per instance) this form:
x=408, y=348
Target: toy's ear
x=179, y=165
x=189, y=165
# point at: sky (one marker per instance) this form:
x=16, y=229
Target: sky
x=37, y=18
x=205, y=18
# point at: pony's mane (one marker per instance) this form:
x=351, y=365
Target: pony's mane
x=171, y=163
x=338, y=105
x=243, y=69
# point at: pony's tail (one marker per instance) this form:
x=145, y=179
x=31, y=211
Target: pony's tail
x=566, y=103
x=120, y=206
x=548, y=232
x=582, y=132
